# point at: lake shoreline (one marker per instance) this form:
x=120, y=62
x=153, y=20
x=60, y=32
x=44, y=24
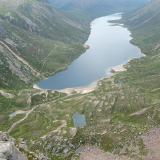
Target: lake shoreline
x=109, y=70
x=89, y=88
x=69, y=91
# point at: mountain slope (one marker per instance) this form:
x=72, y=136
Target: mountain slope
x=120, y=113
x=45, y=38
x=145, y=24
x=98, y=8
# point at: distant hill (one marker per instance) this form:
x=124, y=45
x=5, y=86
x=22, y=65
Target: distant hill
x=98, y=7
x=145, y=24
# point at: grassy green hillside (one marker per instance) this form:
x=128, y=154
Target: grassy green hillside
x=40, y=40
x=122, y=114
x=118, y=113
x=145, y=25
x=42, y=36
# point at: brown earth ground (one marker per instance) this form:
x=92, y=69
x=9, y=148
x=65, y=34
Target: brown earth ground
x=152, y=142
x=93, y=153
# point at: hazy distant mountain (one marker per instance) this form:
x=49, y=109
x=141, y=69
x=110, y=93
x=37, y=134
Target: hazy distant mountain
x=147, y=14
x=98, y=7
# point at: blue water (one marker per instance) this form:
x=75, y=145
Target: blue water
x=79, y=120
x=109, y=46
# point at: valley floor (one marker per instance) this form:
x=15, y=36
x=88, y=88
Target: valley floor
x=122, y=115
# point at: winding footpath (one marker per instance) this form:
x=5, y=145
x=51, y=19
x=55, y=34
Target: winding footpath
x=34, y=108
x=21, y=120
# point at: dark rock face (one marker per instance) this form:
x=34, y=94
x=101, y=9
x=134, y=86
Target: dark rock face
x=8, y=150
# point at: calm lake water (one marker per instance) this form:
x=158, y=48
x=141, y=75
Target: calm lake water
x=79, y=120
x=109, y=47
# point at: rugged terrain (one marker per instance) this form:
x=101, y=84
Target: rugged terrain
x=121, y=116
x=36, y=40
x=8, y=150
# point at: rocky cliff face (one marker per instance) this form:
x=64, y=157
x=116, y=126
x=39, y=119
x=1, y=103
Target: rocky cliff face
x=8, y=150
